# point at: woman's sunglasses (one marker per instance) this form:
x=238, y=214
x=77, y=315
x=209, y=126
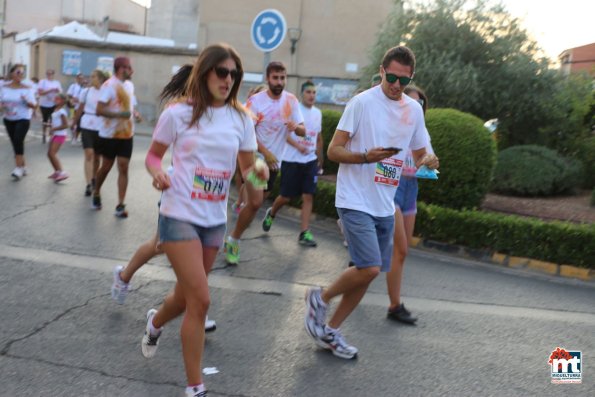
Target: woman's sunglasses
x=392, y=78
x=222, y=72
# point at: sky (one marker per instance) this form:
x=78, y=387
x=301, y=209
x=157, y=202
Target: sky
x=556, y=26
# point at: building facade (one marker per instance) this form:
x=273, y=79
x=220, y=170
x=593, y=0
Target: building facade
x=578, y=59
x=331, y=38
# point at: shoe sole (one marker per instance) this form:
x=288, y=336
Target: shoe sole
x=211, y=329
x=400, y=320
x=308, y=244
x=322, y=344
x=115, y=294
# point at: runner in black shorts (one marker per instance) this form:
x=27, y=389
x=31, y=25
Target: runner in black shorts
x=299, y=170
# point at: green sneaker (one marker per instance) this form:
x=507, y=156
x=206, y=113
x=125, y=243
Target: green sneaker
x=267, y=222
x=307, y=239
x=232, y=252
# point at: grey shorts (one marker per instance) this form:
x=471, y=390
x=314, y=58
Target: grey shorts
x=369, y=238
x=406, y=195
x=171, y=229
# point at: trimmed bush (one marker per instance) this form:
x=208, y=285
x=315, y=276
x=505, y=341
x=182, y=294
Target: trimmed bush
x=593, y=198
x=586, y=154
x=330, y=119
x=467, y=155
x=532, y=170
x=558, y=242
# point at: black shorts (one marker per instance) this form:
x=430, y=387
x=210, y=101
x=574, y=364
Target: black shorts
x=112, y=148
x=46, y=113
x=271, y=181
x=90, y=139
x=298, y=178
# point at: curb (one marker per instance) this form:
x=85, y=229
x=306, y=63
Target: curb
x=514, y=262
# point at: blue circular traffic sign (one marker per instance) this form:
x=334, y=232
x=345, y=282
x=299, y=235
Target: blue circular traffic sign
x=268, y=30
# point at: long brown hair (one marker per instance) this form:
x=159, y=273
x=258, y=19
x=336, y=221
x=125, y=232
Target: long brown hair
x=196, y=87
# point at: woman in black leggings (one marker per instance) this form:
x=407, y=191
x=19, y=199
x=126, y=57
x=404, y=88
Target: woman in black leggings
x=18, y=101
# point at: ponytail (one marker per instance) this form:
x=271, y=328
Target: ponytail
x=177, y=85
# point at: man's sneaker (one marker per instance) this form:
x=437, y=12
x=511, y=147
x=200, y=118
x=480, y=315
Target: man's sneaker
x=61, y=176
x=25, y=172
x=315, y=313
x=17, y=173
x=196, y=392
x=307, y=239
x=96, y=202
x=334, y=341
x=53, y=175
x=119, y=288
x=401, y=314
x=121, y=211
x=232, y=251
x=210, y=325
x=150, y=342
x=88, y=191
x=267, y=222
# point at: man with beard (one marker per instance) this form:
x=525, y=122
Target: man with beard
x=276, y=115
x=115, y=106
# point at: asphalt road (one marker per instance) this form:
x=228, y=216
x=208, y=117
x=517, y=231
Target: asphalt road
x=483, y=330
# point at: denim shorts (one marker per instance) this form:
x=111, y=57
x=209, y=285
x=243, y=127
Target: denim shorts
x=369, y=238
x=171, y=229
x=406, y=195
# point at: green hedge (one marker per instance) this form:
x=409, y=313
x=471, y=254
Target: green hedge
x=586, y=154
x=593, y=198
x=557, y=242
x=532, y=170
x=467, y=153
x=330, y=119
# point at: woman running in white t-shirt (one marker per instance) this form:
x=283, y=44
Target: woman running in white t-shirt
x=207, y=131
x=17, y=102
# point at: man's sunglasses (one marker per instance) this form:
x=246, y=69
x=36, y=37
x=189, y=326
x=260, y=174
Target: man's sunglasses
x=222, y=72
x=392, y=78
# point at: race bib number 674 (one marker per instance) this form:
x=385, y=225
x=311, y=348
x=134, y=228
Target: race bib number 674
x=211, y=185
x=388, y=172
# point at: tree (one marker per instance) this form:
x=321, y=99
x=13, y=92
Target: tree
x=475, y=58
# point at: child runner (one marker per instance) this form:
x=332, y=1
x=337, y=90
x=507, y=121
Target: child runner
x=58, y=134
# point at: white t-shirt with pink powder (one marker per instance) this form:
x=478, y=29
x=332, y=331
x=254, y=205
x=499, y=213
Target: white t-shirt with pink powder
x=204, y=160
x=373, y=120
x=271, y=117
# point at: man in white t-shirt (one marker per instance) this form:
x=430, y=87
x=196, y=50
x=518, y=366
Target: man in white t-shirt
x=47, y=89
x=302, y=160
x=115, y=106
x=276, y=113
x=376, y=126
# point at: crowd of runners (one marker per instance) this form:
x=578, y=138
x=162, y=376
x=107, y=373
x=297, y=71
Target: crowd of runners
x=380, y=142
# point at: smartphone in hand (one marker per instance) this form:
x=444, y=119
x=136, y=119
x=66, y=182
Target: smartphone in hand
x=392, y=149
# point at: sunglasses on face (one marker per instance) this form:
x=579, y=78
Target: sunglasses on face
x=223, y=72
x=392, y=78
x=420, y=101
x=19, y=72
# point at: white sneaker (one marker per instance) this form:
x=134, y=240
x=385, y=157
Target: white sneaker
x=25, y=172
x=210, y=325
x=150, y=342
x=17, y=173
x=196, y=392
x=334, y=341
x=119, y=288
x=315, y=316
